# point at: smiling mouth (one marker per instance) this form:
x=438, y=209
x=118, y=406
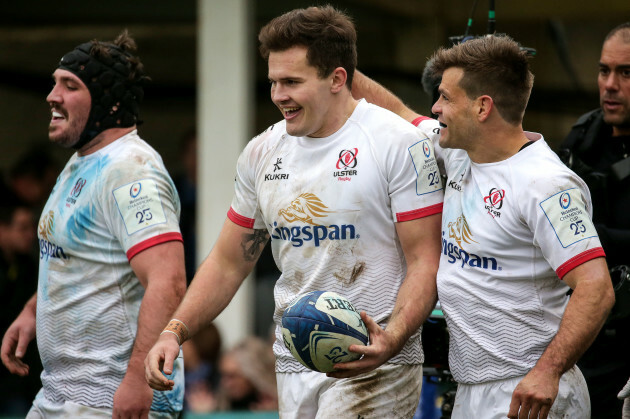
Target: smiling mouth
x=57, y=116
x=442, y=124
x=290, y=112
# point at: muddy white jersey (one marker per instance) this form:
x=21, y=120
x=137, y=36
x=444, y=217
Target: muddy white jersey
x=105, y=208
x=510, y=231
x=330, y=206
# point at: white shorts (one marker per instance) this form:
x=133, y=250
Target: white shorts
x=492, y=400
x=390, y=391
x=74, y=410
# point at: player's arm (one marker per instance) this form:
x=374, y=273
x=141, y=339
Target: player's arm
x=17, y=337
x=218, y=278
x=376, y=93
x=160, y=270
x=588, y=307
x=420, y=241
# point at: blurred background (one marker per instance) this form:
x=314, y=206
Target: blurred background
x=395, y=39
x=201, y=55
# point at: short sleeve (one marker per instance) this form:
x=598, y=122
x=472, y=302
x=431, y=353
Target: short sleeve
x=141, y=205
x=559, y=215
x=415, y=184
x=244, y=210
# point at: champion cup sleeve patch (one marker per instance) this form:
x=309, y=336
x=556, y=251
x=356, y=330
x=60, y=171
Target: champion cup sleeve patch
x=428, y=175
x=568, y=217
x=139, y=205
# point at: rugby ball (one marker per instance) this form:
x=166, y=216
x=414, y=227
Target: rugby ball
x=319, y=326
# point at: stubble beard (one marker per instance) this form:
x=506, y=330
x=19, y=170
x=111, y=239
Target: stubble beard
x=67, y=137
x=621, y=121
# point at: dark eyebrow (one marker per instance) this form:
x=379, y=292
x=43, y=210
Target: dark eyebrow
x=290, y=78
x=619, y=67
x=63, y=78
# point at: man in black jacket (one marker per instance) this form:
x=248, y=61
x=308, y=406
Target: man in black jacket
x=598, y=149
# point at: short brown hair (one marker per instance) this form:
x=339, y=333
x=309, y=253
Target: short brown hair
x=494, y=66
x=328, y=35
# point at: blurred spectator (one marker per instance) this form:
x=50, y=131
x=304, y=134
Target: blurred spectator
x=186, y=184
x=201, y=356
x=33, y=176
x=18, y=282
x=248, y=380
x=598, y=150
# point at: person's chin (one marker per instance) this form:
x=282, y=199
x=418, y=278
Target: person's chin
x=295, y=131
x=61, y=140
x=615, y=118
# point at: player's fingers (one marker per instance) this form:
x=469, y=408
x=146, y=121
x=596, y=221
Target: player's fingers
x=7, y=351
x=15, y=365
x=373, y=328
x=534, y=411
x=22, y=345
x=350, y=369
x=544, y=411
x=524, y=410
x=152, y=372
x=20, y=367
x=362, y=349
x=368, y=320
x=514, y=405
x=159, y=385
x=168, y=365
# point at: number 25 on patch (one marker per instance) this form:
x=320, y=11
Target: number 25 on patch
x=428, y=175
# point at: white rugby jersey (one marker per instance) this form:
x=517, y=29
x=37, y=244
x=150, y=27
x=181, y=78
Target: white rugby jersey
x=105, y=208
x=510, y=231
x=331, y=204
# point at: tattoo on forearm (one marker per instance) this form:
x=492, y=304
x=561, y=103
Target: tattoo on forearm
x=253, y=244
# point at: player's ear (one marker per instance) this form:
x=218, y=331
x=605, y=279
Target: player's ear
x=338, y=79
x=483, y=105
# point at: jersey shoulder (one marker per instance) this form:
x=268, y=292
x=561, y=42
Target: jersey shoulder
x=130, y=160
x=540, y=174
x=376, y=117
x=539, y=161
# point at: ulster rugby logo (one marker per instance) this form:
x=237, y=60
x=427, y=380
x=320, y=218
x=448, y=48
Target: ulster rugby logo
x=347, y=159
x=494, y=201
x=75, y=192
x=304, y=208
x=346, y=162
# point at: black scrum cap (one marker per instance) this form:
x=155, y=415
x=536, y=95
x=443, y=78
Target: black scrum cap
x=115, y=91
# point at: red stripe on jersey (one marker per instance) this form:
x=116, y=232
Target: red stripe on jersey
x=419, y=119
x=239, y=219
x=419, y=213
x=578, y=260
x=153, y=241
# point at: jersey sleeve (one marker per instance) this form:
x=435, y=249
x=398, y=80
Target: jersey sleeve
x=560, y=216
x=431, y=128
x=244, y=210
x=415, y=184
x=140, y=204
